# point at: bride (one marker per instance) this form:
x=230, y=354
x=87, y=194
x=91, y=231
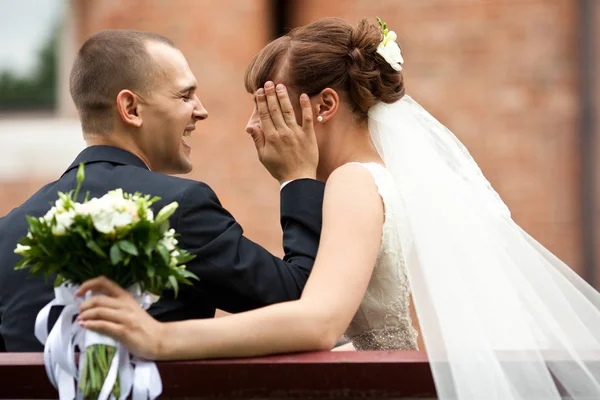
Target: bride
x=406, y=209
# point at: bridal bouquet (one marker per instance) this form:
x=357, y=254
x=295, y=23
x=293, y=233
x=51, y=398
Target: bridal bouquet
x=117, y=236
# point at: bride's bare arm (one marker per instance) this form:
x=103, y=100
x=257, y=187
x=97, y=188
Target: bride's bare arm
x=352, y=225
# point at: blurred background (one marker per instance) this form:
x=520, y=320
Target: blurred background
x=515, y=80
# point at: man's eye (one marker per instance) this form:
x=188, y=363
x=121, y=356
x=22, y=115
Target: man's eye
x=185, y=97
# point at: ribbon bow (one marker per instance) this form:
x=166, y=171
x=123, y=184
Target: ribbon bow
x=141, y=377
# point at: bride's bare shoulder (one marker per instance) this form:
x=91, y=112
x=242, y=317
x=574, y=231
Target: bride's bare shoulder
x=352, y=175
x=352, y=183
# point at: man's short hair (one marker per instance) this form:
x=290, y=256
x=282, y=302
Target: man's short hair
x=108, y=62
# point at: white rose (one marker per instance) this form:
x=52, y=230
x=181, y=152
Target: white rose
x=390, y=51
x=60, y=205
x=132, y=209
x=108, y=202
x=49, y=215
x=64, y=220
x=122, y=219
x=85, y=208
x=102, y=221
x=115, y=194
x=94, y=206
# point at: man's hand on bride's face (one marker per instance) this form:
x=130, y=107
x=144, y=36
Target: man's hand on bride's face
x=287, y=150
x=118, y=315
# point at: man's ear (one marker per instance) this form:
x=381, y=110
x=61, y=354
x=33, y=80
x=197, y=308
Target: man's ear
x=327, y=104
x=128, y=105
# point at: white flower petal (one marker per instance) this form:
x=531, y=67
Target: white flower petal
x=150, y=214
x=103, y=222
x=63, y=221
x=122, y=219
x=22, y=249
x=50, y=214
x=392, y=54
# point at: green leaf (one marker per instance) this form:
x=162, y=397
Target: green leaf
x=23, y=264
x=148, y=249
x=34, y=225
x=95, y=248
x=46, y=250
x=164, y=253
x=59, y=281
x=184, y=257
x=64, y=197
x=151, y=270
x=115, y=254
x=54, y=268
x=174, y=283
x=186, y=281
x=37, y=268
x=82, y=232
x=187, y=274
x=128, y=247
x=163, y=227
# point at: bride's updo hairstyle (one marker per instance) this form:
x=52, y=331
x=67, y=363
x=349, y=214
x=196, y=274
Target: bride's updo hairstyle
x=330, y=53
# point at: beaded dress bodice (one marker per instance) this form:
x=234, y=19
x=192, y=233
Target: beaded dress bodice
x=383, y=320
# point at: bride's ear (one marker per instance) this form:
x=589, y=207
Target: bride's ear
x=327, y=105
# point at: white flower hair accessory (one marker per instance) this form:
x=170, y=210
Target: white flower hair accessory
x=388, y=48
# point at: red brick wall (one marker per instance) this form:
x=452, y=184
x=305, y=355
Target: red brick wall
x=14, y=193
x=501, y=74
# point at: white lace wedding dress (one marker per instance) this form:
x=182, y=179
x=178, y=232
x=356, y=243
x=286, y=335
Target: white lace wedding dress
x=383, y=320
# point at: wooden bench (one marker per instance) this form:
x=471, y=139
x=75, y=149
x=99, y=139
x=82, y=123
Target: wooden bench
x=322, y=375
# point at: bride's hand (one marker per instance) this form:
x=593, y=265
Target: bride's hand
x=288, y=150
x=118, y=315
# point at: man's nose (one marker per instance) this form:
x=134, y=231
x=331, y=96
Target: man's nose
x=200, y=112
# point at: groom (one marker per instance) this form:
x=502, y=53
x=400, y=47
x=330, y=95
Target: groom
x=136, y=98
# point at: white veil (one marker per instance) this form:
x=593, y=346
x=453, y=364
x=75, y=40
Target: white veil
x=501, y=316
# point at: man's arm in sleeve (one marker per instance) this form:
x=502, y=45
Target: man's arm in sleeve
x=237, y=274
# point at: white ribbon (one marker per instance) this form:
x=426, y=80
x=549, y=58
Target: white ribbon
x=141, y=377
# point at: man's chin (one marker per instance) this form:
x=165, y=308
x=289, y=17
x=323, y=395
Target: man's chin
x=185, y=164
x=183, y=167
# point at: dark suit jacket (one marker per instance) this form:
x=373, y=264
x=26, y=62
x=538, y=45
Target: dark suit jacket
x=235, y=273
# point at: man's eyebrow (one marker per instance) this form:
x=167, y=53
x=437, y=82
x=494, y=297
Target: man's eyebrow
x=190, y=88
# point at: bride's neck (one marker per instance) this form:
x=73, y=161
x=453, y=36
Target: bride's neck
x=343, y=143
